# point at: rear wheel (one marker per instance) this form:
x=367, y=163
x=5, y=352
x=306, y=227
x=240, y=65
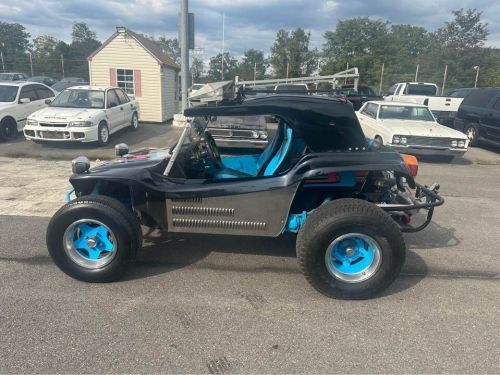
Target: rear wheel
x=350, y=249
x=472, y=132
x=92, y=238
x=8, y=129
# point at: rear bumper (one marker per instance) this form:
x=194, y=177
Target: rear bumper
x=60, y=134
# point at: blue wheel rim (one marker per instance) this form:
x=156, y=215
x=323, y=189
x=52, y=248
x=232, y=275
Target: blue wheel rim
x=90, y=243
x=353, y=257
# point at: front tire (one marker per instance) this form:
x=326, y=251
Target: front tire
x=350, y=249
x=92, y=239
x=472, y=133
x=134, y=124
x=102, y=134
x=8, y=129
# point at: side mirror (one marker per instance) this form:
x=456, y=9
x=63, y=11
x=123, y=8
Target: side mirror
x=48, y=101
x=24, y=100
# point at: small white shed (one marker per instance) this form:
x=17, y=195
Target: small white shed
x=138, y=65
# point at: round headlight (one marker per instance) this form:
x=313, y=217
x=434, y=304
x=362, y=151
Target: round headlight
x=395, y=139
x=402, y=140
x=461, y=144
x=454, y=143
x=263, y=135
x=255, y=134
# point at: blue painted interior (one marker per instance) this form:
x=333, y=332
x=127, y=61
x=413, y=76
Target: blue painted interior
x=278, y=157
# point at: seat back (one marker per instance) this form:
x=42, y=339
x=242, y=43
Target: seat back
x=271, y=148
x=278, y=157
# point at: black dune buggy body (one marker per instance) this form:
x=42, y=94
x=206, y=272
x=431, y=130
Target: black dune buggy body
x=347, y=199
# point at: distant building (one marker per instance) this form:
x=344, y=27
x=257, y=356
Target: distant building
x=138, y=65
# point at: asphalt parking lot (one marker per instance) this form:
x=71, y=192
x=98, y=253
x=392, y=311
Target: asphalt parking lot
x=207, y=304
x=147, y=135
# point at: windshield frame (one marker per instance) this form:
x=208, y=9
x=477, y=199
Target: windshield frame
x=69, y=91
x=431, y=117
x=16, y=93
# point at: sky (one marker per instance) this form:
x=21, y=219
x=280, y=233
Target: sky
x=248, y=23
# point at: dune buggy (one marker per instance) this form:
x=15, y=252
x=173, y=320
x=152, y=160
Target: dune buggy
x=348, y=201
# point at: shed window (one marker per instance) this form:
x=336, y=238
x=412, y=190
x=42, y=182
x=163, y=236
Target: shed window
x=125, y=80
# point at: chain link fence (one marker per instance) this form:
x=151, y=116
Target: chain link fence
x=56, y=68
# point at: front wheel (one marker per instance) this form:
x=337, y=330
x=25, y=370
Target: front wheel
x=472, y=132
x=350, y=249
x=102, y=134
x=135, y=122
x=92, y=238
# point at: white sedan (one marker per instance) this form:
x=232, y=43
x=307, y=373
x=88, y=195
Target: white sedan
x=410, y=128
x=85, y=114
x=18, y=100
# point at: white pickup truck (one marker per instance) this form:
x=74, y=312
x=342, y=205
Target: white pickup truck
x=443, y=108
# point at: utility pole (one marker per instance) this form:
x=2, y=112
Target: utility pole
x=287, y=68
x=476, y=68
x=3, y=65
x=222, y=53
x=184, y=53
x=62, y=64
x=254, y=71
x=31, y=63
x=381, y=79
x=444, y=79
x=416, y=73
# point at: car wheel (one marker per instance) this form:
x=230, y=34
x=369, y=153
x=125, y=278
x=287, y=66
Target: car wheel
x=350, y=249
x=472, y=132
x=8, y=129
x=103, y=134
x=135, y=121
x=91, y=239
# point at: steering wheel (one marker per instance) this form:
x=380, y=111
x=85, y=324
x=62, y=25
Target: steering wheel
x=212, y=150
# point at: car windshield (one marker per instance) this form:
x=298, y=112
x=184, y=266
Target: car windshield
x=72, y=79
x=6, y=77
x=79, y=99
x=8, y=93
x=393, y=112
x=422, y=89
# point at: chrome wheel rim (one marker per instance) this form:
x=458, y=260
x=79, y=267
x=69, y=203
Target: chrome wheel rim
x=90, y=243
x=471, y=133
x=135, y=121
x=353, y=257
x=104, y=134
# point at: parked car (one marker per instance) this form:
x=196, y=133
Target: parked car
x=358, y=96
x=443, y=108
x=410, y=128
x=460, y=93
x=18, y=100
x=83, y=114
x=348, y=202
x=49, y=81
x=291, y=88
x=13, y=77
x=479, y=116
x=239, y=132
x=69, y=82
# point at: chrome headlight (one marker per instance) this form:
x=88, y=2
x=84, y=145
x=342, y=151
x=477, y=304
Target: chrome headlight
x=255, y=134
x=461, y=144
x=263, y=134
x=396, y=139
x=454, y=144
x=80, y=165
x=81, y=124
x=402, y=140
x=32, y=122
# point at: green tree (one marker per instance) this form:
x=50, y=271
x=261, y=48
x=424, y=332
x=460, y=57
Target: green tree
x=290, y=53
x=252, y=64
x=14, y=44
x=215, y=67
x=171, y=47
x=45, y=60
x=196, y=70
x=466, y=31
x=81, y=33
